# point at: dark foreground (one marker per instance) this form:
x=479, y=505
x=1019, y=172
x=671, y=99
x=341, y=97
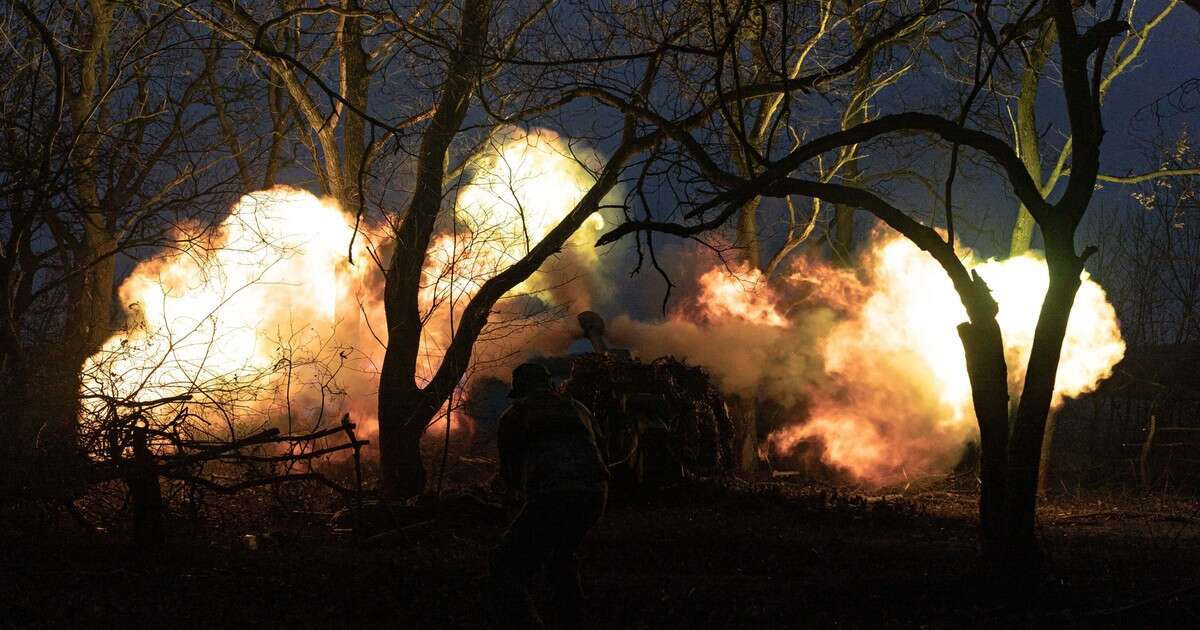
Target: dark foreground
x=697, y=555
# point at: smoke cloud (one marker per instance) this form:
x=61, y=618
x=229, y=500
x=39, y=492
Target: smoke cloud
x=264, y=321
x=866, y=367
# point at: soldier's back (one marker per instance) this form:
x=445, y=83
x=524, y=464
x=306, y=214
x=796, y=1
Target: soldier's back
x=561, y=455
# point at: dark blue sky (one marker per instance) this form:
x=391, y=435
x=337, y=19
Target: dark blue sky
x=1144, y=108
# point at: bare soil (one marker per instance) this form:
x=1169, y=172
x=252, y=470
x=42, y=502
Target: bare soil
x=698, y=554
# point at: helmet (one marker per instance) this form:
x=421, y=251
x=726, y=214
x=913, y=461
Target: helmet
x=528, y=378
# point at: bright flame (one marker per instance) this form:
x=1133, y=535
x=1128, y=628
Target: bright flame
x=265, y=319
x=519, y=192
x=523, y=188
x=248, y=317
x=869, y=366
x=903, y=405
x=741, y=295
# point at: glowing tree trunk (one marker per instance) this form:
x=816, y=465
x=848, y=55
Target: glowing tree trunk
x=403, y=417
x=405, y=409
x=1027, y=132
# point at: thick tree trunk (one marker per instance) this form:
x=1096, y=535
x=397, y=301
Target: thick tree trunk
x=88, y=322
x=1022, y=234
x=843, y=231
x=1027, y=133
x=747, y=234
x=355, y=88
x=988, y=373
x=745, y=423
x=405, y=409
x=1025, y=446
x=1044, y=459
x=402, y=469
x=856, y=114
x=88, y=326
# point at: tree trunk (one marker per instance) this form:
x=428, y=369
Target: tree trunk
x=747, y=234
x=856, y=114
x=1025, y=446
x=1144, y=457
x=1022, y=234
x=988, y=373
x=354, y=87
x=88, y=325
x=88, y=322
x=402, y=469
x=843, y=230
x=745, y=418
x=1027, y=132
x=1044, y=460
x=405, y=409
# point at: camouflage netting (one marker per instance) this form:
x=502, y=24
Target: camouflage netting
x=683, y=397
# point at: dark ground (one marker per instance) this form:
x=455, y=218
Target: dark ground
x=700, y=554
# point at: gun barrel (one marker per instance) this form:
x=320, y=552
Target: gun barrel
x=593, y=328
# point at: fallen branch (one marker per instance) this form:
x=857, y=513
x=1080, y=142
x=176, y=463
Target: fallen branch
x=112, y=470
x=295, y=456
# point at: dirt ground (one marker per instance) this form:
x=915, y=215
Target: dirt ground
x=698, y=554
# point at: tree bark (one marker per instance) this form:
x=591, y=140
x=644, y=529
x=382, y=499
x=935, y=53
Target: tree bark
x=988, y=374
x=1025, y=446
x=982, y=344
x=843, y=227
x=1044, y=459
x=1027, y=133
x=354, y=87
x=405, y=409
x=745, y=422
x=402, y=468
x=747, y=234
x=844, y=214
x=91, y=291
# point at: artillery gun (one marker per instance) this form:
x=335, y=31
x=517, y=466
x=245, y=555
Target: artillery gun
x=659, y=420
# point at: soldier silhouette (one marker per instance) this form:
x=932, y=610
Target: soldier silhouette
x=548, y=449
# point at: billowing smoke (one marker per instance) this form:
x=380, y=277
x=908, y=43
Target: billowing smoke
x=736, y=327
x=264, y=320
x=867, y=367
x=261, y=319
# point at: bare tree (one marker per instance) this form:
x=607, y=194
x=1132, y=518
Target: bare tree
x=1029, y=143
x=107, y=157
x=1150, y=261
x=320, y=87
x=774, y=117
x=1028, y=140
x=1010, y=461
x=602, y=79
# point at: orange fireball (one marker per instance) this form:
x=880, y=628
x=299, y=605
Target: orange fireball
x=902, y=401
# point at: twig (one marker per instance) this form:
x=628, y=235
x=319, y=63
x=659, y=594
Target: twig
x=297, y=456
